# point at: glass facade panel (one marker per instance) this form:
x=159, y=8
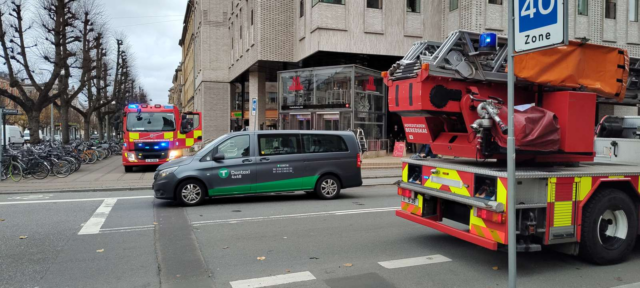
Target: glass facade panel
x=333, y=98
x=333, y=86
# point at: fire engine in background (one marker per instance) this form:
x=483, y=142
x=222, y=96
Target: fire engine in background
x=153, y=135
x=452, y=95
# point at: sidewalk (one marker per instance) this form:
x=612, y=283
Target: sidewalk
x=108, y=175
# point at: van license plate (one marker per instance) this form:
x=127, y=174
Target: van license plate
x=152, y=160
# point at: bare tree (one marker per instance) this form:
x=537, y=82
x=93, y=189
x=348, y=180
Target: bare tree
x=21, y=44
x=84, y=53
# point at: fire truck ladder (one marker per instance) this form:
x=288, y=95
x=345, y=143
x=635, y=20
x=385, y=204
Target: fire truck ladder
x=458, y=58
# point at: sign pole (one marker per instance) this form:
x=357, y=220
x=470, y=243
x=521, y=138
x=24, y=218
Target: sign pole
x=511, y=154
x=3, y=138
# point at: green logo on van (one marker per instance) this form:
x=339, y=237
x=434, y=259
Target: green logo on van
x=223, y=173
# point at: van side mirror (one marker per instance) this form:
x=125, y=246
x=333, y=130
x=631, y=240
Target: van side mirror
x=218, y=157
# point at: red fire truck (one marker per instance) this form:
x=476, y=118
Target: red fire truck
x=452, y=96
x=156, y=134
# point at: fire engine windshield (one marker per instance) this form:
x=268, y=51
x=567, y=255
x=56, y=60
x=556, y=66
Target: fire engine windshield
x=151, y=122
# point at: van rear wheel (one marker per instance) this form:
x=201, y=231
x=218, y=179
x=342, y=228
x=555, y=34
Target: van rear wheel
x=328, y=187
x=609, y=227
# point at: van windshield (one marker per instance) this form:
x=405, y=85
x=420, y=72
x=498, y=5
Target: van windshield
x=151, y=122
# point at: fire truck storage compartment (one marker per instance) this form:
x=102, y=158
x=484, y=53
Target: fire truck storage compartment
x=576, y=112
x=414, y=174
x=485, y=187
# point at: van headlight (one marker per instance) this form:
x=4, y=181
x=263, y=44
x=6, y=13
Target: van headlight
x=175, y=154
x=166, y=172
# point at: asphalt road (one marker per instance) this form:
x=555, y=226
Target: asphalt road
x=128, y=239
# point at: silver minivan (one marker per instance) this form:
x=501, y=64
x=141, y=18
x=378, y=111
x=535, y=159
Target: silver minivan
x=321, y=163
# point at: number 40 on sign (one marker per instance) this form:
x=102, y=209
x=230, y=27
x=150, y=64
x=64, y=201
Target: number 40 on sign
x=538, y=23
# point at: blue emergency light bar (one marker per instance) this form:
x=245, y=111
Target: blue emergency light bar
x=159, y=146
x=133, y=106
x=488, y=42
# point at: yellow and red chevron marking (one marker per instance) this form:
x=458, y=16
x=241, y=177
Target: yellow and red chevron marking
x=413, y=209
x=488, y=229
x=464, y=178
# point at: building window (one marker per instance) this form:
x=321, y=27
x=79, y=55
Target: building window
x=633, y=10
x=497, y=2
x=610, y=9
x=341, y=2
x=301, y=8
x=583, y=7
x=413, y=6
x=453, y=5
x=375, y=4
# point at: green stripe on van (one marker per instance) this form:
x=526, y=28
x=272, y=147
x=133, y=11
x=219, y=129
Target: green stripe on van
x=303, y=183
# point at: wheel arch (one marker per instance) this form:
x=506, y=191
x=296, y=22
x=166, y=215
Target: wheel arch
x=175, y=189
x=330, y=173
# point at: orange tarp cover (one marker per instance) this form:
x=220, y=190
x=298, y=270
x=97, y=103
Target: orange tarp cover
x=595, y=68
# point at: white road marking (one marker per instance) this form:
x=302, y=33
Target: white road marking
x=73, y=200
x=95, y=222
x=401, y=263
x=632, y=285
x=293, y=216
x=273, y=280
x=127, y=229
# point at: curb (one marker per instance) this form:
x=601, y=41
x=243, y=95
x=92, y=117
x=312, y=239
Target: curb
x=392, y=179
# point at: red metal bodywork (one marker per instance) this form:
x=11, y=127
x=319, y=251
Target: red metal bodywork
x=446, y=127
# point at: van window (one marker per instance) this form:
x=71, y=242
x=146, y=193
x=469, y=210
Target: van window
x=279, y=144
x=236, y=147
x=323, y=143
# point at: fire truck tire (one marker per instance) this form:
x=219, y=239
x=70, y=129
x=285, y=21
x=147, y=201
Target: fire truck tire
x=609, y=227
x=191, y=193
x=128, y=169
x=328, y=187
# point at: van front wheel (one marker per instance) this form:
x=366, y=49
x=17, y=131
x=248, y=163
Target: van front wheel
x=328, y=187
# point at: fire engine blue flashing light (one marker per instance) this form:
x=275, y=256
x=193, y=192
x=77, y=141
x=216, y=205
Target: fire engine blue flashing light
x=146, y=147
x=163, y=144
x=488, y=42
x=133, y=106
x=140, y=145
x=155, y=147
x=168, y=106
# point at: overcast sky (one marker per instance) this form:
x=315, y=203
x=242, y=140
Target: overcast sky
x=153, y=29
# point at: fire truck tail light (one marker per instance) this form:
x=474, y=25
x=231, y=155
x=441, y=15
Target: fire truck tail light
x=425, y=66
x=490, y=216
x=405, y=193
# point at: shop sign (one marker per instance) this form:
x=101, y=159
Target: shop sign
x=315, y=106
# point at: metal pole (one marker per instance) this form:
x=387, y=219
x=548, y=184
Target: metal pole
x=52, y=128
x=511, y=157
x=3, y=137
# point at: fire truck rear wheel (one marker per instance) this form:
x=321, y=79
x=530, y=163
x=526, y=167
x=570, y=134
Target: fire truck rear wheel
x=609, y=227
x=128, y=169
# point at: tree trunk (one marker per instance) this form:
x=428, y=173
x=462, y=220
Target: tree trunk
x=64, y=122
x=87, y=128
x=34, y=126
x=108, y=130
x=100, y=127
